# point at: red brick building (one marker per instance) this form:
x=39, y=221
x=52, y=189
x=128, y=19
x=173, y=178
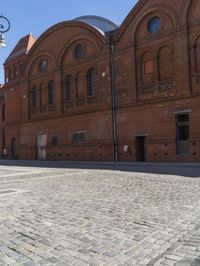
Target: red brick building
x=87, y=90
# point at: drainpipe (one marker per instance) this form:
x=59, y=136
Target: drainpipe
x=113, y=95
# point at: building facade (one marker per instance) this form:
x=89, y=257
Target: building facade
x=89, y=90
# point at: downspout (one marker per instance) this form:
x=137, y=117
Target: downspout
x=113, y=96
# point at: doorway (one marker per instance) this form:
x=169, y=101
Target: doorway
x=13, y=148
x=41, y=147
x=140, y=145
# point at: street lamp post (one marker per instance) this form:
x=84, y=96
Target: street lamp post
x=4, y=27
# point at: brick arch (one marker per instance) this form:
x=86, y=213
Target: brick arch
x=146, y=67
x=142, y=52
x=192, y=12
x=184, y=12
x=32, y=61
x=140, y=11
x=69, y=47
x=163, y=10
x=64, y=25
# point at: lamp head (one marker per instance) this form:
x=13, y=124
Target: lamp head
x=2, y=41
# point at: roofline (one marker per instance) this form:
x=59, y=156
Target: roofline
x=129, y=18
x=63, y=24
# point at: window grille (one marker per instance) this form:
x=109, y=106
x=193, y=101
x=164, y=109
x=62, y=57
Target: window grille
x=91, y=82
x=79, y=137
x=51, y=92
x=183, y=133
x=68, y=88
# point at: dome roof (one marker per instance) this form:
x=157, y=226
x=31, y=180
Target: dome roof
x=102, y=24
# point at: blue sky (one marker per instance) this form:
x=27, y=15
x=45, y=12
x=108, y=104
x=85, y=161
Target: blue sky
x=36, y=16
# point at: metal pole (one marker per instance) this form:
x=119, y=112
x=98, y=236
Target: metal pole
x=114, y=118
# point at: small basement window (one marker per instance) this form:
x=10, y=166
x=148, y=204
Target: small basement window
x=54, y=140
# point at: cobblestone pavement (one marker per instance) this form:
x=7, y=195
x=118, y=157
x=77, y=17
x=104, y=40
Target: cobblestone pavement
x=99, y=214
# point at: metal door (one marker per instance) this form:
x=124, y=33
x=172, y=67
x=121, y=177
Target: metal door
x=140, y=149
x=41, y=147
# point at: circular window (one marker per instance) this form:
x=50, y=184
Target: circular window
x=154, y=25
x=79, y=51
x=43, y=64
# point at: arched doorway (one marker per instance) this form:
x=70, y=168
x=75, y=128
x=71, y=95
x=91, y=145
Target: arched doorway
x=13, y=148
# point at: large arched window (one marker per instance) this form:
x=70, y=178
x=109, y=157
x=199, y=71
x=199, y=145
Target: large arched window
x=15, y=72
x=10, y=73
x=20, y=69
x=3, y=112
x=34, y=97
x=165, y=63
x=147, y=68
x=69, y=88
x=80, y=85
x=91, y=81
x=51, y=92
x=197, y=55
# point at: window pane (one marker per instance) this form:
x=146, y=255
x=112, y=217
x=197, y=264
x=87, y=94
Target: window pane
x=79, y=51
x=182, y=118
x=82, y=137
x=91, y=81
x=74, y=138
x=78, y=137
x=51, y=92
x=68, y=92
x=183, y=132
x=154, y=25
x=54, y=140
x=34, y=98
x=10, y=74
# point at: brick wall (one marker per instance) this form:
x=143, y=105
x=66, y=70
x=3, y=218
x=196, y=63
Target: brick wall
x=156, y=76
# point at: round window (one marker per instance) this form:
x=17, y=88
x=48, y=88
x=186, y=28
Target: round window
x=43, y=64
x=79, y=51
x=154, y=25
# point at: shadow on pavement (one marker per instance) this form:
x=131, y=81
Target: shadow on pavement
x=178, y=169
x=186, y=262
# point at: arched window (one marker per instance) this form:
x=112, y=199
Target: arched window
x=80, y=85
x=165, y=63
x=10, y=73
x=147, y=68
x=69, y=88
x=197, y=55
x=15, y=72
x=79, y=51
x=51, y=92
x=3, y=112
x=91, y=82
x=34, y=97
x=42, y=94
x=20, y=69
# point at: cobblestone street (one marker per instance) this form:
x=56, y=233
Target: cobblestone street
x=56, y=213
